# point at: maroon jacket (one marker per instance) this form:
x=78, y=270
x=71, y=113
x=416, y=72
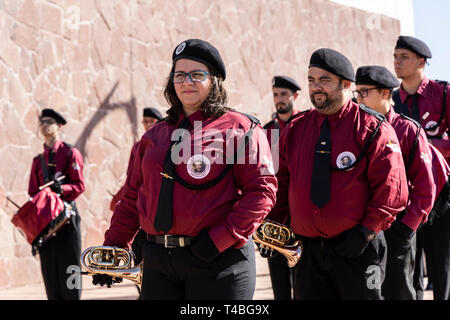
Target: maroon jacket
x=69, y=162
x=230, y=210
x=418, y=162
x=430, y=100
x=278, y=213
x=371, y=194
x=441, y=169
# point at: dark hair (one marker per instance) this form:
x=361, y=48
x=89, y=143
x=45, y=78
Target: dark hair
x=213, y=106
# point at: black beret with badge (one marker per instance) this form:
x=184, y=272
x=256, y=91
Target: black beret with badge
x=378, y=76
x=415, y=45
x=334, y=62
x=50, y=113
x=152, y=112
x=285, y=82
x=201, y=51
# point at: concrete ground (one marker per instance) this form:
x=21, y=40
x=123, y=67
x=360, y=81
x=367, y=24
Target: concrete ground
x=128, y=291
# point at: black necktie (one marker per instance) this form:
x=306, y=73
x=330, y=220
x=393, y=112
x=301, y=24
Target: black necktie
x=320, y=183
x=51, y=166
x=164, y=219
x=414, y=107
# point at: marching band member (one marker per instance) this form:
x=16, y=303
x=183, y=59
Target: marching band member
x=58, y=159
x=198, y=209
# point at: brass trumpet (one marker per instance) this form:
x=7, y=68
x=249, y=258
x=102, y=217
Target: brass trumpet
x=113, y=261
x=278, y=237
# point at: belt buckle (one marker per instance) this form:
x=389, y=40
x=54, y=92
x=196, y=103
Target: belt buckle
x=166, y=237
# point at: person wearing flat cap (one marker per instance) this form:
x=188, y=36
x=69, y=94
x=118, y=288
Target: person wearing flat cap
x=57, y=160
x=346, y=182
x=201, y=183
x=428, y=102
x=374, y=86
x=285, y=93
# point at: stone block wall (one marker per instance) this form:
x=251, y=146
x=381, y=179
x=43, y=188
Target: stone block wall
x=100, y=62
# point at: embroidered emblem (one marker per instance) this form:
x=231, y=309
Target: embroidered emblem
x=198, y=166
x=394, y=147
x=345, y=160
x=180, y=48
x=432, y=124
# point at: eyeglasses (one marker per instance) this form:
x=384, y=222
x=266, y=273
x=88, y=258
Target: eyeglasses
x=48, y=121
x=363, y=93
x=195, y=76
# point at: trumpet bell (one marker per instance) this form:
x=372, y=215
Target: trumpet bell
x=113, y=261
x=280, y=238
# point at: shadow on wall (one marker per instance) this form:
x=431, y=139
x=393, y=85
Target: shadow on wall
x=102, y=112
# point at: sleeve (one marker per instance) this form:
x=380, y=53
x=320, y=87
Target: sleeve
x=443, y=145
x=75, y=187
x=422, y=190
x=125, y=219
x=256, y=179
x=386, y=176
x=33, y=184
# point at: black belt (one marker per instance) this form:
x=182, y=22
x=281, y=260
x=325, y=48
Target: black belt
x=170, y=241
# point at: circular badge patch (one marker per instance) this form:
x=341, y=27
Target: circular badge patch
x=180, y=48
x=345, y=160
x=198, y=166
x=431, y=124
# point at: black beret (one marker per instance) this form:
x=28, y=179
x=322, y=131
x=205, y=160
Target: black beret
x=152, y=112
x=376, y=75
x=201, y=51
x=334, y=62
x=50, y=113
x=285, y=82
x=415, y=45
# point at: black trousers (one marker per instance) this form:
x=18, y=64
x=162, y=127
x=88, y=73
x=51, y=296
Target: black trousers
x=322, y=274
x=401, y=255
x=281, y=277
x=176, y=274
x=60, y=256
x=434, y=239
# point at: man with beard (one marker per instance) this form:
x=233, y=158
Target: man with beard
x=427, y=102
x=339, y=212
x=285, y=92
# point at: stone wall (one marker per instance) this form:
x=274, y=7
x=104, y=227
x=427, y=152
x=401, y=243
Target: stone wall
x=99, y=62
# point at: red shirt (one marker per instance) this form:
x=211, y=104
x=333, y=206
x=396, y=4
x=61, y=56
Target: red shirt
x=422, y=189
x=69, y=162
x=430, y=95
x=370, y=194
x=230, y=210
x=278, y=213
x=118, y=195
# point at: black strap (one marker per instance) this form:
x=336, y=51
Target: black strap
x=320, y=182
x=415, y=143
x=44, y=168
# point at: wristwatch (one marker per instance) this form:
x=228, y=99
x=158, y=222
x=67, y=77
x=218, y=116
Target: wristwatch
x=369, y=235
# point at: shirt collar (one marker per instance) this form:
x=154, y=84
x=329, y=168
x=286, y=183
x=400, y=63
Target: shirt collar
x=422, y=90
x=196, y=116
x=56, y=146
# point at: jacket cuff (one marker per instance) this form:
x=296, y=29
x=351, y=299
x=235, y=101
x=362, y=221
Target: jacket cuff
x=203, y=247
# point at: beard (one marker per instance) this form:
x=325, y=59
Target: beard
x=284, y=108
x=329, y=103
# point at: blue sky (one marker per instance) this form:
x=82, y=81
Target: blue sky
x=432, y=25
